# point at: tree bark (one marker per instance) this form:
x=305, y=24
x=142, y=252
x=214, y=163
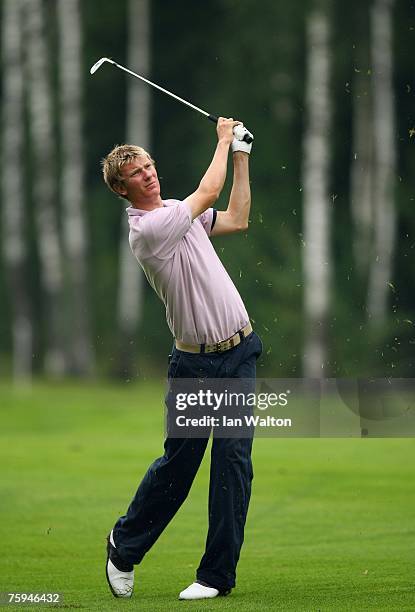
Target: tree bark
x=362, y=204
x=381, y=271
x=131, y=285
x=316, y=206
x=44, y=184
x=81, y=352
x=13, y=218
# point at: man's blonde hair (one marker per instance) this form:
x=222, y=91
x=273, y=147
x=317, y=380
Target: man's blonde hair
x=115, y=160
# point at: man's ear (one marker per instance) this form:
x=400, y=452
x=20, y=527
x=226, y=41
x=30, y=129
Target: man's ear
x=120, y=189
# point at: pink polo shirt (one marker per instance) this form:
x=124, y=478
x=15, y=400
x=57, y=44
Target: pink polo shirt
x=202, y=303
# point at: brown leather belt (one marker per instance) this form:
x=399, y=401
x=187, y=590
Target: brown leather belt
x=217, y=347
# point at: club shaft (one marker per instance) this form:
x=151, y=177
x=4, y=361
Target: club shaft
x=169, y=93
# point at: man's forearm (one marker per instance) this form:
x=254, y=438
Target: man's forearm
x=240, y=199
x=214, y=177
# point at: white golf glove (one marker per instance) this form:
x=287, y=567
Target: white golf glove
x=238, y=144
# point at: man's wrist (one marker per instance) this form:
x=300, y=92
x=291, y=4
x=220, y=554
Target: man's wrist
x=224, y=142
x=240, y=156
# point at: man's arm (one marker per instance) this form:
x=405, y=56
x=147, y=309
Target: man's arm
x=235, y=218
x=212, y=182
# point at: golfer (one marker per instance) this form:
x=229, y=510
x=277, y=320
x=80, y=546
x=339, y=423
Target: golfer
x=213, y=339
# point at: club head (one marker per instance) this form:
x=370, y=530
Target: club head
x=98, y=64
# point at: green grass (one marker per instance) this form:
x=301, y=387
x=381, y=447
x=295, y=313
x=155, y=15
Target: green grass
x=331, y=524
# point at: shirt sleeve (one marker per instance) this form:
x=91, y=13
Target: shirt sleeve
x=207, y=219
x=162, y=229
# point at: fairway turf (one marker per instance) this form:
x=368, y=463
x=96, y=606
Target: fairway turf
x=330, y=527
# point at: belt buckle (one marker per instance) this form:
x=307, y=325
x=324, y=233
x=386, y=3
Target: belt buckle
x=218, y=346
x=224, y=345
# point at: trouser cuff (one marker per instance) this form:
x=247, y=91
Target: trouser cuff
x=224, y=589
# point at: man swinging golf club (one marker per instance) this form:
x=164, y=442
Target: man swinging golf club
x=213, y=339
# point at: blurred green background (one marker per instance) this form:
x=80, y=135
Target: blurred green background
x=235, y=59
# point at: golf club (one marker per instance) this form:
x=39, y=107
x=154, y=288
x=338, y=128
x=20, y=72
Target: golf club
x=247, y=137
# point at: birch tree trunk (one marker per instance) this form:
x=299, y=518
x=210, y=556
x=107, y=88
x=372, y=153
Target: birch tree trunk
x=385, y=162
x=13, y=226
x=362, y=204
x=80, y=343
x=130, y=291
x=316, y=206
x=44, y=184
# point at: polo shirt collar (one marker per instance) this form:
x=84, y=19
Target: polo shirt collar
x=139, y=212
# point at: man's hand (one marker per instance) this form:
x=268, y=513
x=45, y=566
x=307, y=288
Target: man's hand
x=238, y=143
x=224, y=129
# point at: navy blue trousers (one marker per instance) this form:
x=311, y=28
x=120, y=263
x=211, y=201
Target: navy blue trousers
x=167, y=482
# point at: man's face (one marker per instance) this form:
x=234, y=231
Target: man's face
x=140, y=182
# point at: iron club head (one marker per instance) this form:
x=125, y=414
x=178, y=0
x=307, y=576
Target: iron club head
x=98, y=64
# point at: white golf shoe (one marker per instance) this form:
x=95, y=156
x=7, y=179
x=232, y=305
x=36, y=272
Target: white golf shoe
x=198, y=591
x=120, y=577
